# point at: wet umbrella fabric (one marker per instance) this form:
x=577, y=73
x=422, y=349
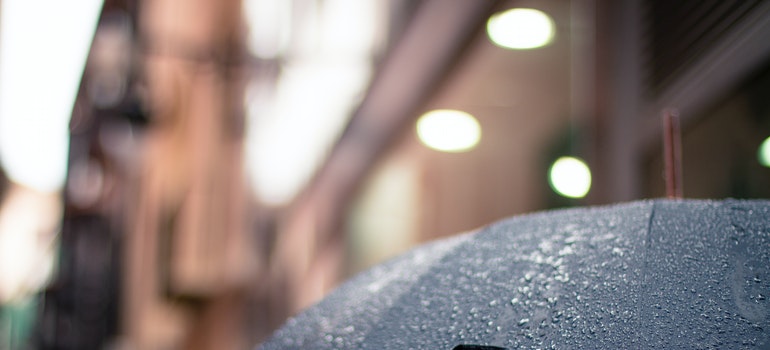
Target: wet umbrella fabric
x=653, y=274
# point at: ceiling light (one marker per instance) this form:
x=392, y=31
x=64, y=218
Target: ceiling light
x=520, y=29
x=449, y=130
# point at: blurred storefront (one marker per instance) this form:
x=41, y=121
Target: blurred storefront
x=230, y=162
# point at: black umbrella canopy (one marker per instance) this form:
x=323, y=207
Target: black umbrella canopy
x=654, y=274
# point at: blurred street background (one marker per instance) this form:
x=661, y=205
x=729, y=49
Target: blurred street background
x=188, y=174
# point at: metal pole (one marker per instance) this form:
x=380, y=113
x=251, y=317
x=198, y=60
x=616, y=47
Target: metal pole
x=672, y=153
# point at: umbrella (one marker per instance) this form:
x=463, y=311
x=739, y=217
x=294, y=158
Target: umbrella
x=671, y=274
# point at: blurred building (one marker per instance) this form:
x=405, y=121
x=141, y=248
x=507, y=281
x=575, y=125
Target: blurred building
x=230, y=162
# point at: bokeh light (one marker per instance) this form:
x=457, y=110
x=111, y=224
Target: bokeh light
x=520, y=29
x=570, y=177
x=449, y=130
x=764, y=153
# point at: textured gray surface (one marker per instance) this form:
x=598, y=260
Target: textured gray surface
x=652, y=274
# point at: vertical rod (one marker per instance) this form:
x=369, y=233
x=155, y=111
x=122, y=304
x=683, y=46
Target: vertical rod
x=672, y=153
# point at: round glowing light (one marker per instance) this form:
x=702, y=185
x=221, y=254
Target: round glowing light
x=570, y=177
x=449, y=130
x=520, y=29
x=764, y=153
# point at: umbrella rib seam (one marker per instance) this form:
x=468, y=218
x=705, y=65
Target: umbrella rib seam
x=645, y=265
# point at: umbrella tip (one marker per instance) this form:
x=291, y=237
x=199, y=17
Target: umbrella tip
x=672, y=153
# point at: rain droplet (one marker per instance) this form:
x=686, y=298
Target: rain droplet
x=514, y=301
x=523, y=321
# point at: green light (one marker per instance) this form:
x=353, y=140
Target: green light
x=764, y=153
x=570, y=177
